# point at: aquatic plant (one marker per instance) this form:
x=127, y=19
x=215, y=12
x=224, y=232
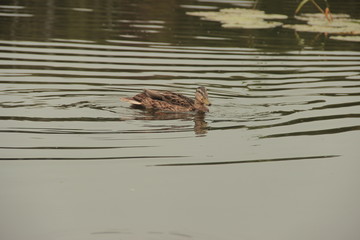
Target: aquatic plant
x=326, y=12
x=241, y=18
x=341, y=24
x=336, y=24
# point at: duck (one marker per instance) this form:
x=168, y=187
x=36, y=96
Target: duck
x=160, y=100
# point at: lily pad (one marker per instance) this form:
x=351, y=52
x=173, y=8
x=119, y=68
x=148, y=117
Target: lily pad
x=341, y=24
x=346, y=38
x=241, y=18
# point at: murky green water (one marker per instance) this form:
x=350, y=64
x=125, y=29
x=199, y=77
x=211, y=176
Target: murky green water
x=275, y=158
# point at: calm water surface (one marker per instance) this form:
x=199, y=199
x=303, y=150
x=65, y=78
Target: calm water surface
x=277, y=156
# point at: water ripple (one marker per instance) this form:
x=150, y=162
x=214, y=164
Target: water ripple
x=70, y=89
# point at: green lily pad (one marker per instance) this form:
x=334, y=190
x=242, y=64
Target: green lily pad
x=241, y=18
x=341, y=24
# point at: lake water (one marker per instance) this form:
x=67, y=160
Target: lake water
x=277, y=156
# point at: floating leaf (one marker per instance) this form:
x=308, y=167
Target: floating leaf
x=346, y=38
x=341, y=24
x=241, y=18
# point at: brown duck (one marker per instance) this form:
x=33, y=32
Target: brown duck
x=170, y=101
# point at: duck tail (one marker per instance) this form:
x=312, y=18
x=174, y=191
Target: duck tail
x=130, y=100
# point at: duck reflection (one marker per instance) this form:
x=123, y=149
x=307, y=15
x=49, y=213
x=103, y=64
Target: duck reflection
x=200, y=125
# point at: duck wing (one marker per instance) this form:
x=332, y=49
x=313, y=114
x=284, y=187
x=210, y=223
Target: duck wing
x=170, y=97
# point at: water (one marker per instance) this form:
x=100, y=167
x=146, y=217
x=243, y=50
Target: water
x=275, y=158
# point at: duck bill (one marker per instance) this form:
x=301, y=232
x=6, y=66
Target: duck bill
x=207, y=102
